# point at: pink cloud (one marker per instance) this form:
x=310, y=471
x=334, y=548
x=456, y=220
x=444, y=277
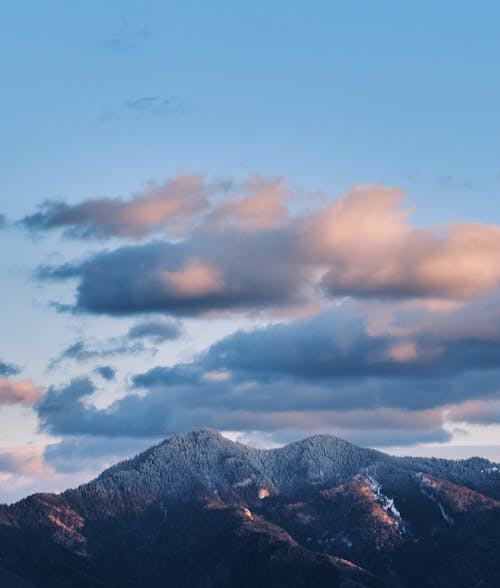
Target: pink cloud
x=262, y=208
x=481, y=411
x=183, y=198
x=378, y=418
x=22, y=392
x=194, y=279
x=255, y=255
x=23, y=460
x=368, y=247
x=403, y=352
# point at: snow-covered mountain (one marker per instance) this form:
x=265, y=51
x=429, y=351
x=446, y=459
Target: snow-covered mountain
x=199, y=510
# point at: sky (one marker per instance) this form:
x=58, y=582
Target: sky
x=271, y=218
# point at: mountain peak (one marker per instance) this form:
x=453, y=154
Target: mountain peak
x=309, y=513
x=198, y=434
x=206, y=460
x=207, y=463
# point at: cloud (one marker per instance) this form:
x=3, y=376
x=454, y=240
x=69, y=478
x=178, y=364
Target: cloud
x=340, y=343
x=22, y=460
x=263, y=207
x=22, y=392
x=154, y=106
x=61, y=465
x=181, y=198
x=334, y=361
x=477, y=412
x=365, y=437
x=194, y=279
x=72, y=454
x=450, y=182
x=329, y=372
x=82, y=351
x=106, y=371
x=372, y=250
x=8, y=369
x=154, y=331
x=405, y=339
x=162, y=411
x=177, y=205
x=127, y=37
x=169, y=278
x=248, y=252
x=158, y=330
x=59, y=409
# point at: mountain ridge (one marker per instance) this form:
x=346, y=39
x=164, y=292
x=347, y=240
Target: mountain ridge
x=318, y=508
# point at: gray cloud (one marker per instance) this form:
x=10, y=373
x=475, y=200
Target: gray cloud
x=61, y=409
x=143, y=107
x=337, y=344
x=158, y=330
x=372, y=437
x=73, y=454
x=163, y=411
x=325, y=373
x=8, y=369
x=82, y=351
x=154, y=106
x=450, y=182
x=106, y=371
x=153, y=331
x=237, y=272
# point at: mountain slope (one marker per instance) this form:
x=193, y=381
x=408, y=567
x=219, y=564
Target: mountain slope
x=200, y=510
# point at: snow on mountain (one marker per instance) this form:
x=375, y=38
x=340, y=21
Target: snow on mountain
x=206, y=461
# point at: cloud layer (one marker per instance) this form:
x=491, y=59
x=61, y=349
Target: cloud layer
x=384, y=333
x=329, y=372
x=251, y=253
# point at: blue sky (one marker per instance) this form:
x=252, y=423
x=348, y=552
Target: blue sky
x=116, y=99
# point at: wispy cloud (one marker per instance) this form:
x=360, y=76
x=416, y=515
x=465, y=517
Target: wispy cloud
x=154, y=106
x=127, y=37
x=88, y=350
x=143, y=107
x=158, y=330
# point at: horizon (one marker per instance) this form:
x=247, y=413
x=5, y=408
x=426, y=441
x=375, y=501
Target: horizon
x=271, y=220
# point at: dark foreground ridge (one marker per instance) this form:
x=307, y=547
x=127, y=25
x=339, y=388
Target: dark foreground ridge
x=200, y=511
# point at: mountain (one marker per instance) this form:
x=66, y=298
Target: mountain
x=201, y=511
